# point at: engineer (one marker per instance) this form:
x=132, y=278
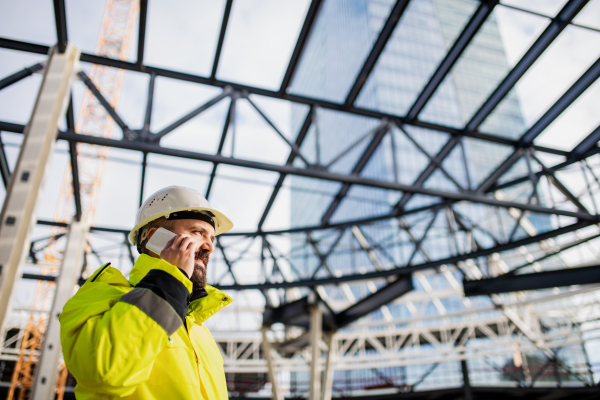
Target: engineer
x=144, y=337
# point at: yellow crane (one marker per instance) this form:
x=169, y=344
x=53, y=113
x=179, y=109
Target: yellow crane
x=114, y=42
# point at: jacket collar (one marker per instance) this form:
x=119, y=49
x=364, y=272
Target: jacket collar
x=201, y=309
x=205, y=307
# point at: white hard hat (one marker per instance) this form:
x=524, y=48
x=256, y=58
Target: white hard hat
x=171, y=200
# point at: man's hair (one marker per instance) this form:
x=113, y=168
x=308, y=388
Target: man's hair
x=161, y=222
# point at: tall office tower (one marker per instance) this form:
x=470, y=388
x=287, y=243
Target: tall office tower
x=340, y=42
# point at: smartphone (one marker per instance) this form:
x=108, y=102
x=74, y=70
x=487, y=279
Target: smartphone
x=159, y=240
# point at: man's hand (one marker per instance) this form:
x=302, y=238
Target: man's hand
x=181, y=252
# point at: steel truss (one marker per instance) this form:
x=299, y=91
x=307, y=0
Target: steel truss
x=477, y=249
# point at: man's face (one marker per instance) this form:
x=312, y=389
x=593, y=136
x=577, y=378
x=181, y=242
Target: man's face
x=203, y=234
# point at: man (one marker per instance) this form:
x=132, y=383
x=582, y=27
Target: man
x=144, y=338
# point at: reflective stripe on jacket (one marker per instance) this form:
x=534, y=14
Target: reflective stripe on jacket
x=126, y=339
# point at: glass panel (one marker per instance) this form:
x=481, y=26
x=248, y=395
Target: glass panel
x=546, y=7
x=173, y=100
x=565, y=60
x=324, y=146
x=119, y=198
x=254, y=138
x=165, y=171
x=364, y=202
x=242, y=194
x=287, y=116
x=301, y=202
x=431, y=141
x=575, y=123
x=261, y=36
x=484, y=157
x=438, y=243
x=590, y=15
x=131, y=107
x=398, y=152
x=340, y=41
x=439, y=181
x=482, y=66
x=454, y=165
x=419, y=43
x=18, y=99
x=56, y=171
x=84, y=21
x=183, y=35
x=28, y=21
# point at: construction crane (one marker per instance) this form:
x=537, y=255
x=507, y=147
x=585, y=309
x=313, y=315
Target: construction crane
x=114, y=41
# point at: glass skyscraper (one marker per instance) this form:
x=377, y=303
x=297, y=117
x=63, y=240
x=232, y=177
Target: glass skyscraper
x=340, y=42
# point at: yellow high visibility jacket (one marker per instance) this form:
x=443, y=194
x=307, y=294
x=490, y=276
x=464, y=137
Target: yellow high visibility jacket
x=128, y=339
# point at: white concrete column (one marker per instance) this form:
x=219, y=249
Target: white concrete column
x=47, y=368
x=316, y=328
x=328, y=378
x=19, y=208
x=266, y=347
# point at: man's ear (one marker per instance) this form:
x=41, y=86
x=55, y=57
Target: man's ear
x=151, y=232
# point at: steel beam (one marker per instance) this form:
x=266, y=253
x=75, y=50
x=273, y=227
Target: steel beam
x=429, y=170
x=229, y=123
x=309, y=21
x=266, y=347
x=383, y=296
x=328, y=376
x=384, y=35
x=310, y=118
x=142, y=33
x=580, y=86
x=18, y=210
x=4, y=168
x=560, y=22
x=224, y=22
x=587, y=144
x=467, y=390
x=316, y=334
x=127, y=133
x=149, y=104
x=40, y=49
x=570, y=160
x=156, y=138
x=403, y=270
x=533, y=281
x=317, y=174
x=60, y=19
x=468, y=33
x=47, y=367
x=358, y=167
x=17, y=76
x=297, y=313
x=74, y=164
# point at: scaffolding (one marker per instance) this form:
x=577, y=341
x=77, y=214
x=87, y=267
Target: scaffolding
x=89, y=163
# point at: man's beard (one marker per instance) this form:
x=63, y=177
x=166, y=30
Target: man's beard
x=200, y=266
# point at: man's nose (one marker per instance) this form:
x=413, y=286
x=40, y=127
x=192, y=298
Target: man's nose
x=207, y=245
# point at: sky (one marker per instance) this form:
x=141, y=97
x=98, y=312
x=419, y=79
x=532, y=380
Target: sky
x=260, y=39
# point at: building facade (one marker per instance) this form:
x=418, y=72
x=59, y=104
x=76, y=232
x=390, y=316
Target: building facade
x=339, y=43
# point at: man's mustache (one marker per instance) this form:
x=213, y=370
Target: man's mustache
x=203, y=255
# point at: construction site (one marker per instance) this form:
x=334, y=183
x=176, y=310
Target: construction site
x=414, y=186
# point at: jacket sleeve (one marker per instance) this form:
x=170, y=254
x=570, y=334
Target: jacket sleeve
x=111, y=336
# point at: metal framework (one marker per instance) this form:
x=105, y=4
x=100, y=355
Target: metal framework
x=489, y=258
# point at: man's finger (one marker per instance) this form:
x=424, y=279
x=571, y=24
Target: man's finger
x=179, y=240
x=170, y=242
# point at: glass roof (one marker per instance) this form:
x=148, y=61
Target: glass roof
x=350, y=143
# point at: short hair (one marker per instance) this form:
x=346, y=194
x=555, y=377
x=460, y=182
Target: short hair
x=161, y=222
